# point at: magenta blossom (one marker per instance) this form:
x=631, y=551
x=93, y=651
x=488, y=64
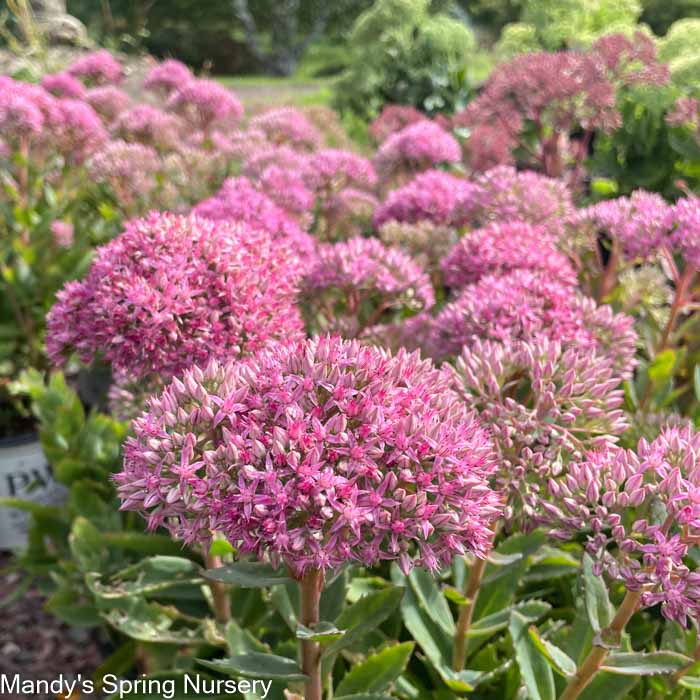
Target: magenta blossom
x=108, y=101
x=63, y=85
x=172, y=291
x=332, y=169
x=417, y=147
x=524, y=305
x=167, y=76
x=97, y=68
x=394, y=118
x=433, y=196
x=500, y=248
x=685, y=218
x=316, y=454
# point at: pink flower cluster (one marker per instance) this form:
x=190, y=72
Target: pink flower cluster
x=505, y=194
x=525, y=305
x=500, y=248
x=353, y=283
x=316, y=454
x=167, y=76
x=286, y=125
x=331, y=170
x=239, y=200
x=205, y=104
x=173, y=291
x=639, y=223
x=108, y=101
x=97, y=68
x=417, y=147
x=433, y=196
x=641, y=515
x=150, y=126
x=545, y=406
x=685, y=236
x=64, y=85
x=394, y=118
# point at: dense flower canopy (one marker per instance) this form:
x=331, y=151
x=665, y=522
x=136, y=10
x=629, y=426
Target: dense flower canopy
x=316, y=454
x=172, y=291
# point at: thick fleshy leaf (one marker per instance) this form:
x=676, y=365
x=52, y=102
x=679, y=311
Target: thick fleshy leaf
x=641, y=664
x=322, y=632
x=598, y=607
x=431, y=598
x=256, y=665
x=148, y=576
x=378, y=671
x=558, y=659
x=534, y=668
x=86, y=545
x=247, y=574
x=531, y=610
x=365, y=615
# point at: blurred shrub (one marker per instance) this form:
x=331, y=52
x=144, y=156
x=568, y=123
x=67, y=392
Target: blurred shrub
x=558, y=24
x=679, y=48
x=404, y=54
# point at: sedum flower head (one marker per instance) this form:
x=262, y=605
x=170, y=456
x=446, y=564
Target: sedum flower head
x=686, y=229
x=286, y=125
x=545, y=405
x=167, y=76
x=150, y=126
x=417, y=147
x=63, y=85
x=640, y=514
x=523, y=305
x=316, y=454
x=433, y=196
x=394, y=118
x=505, y=194
x=332, y=169
x=108, y=101
x=425, y=241
x=500, y=248
x=172, y=291
x=239, y=200
x=352, y=284
x=97, y=68
x=639, y=223
x=205, y=103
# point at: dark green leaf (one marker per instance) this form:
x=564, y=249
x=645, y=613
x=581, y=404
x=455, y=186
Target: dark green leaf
x=598, y=606
x=378, y=671
x=641, y=664
x=558, y=660
x=256, y=665
x=247, y=574
x=534, y=668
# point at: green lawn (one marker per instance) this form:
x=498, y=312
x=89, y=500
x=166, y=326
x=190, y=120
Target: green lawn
x=262, y=89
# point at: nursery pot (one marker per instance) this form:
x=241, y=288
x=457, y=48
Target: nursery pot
x=24, y=473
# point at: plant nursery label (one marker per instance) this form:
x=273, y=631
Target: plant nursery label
x=24, y=474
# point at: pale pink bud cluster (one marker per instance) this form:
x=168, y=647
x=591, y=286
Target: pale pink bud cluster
x=289, y=126
x=108, y=101
x=314, y=455
x=173, y=291
x=433, y=196
x=640, y=511
x=332, y=169
x=417, y=147
x=353, y=284
x=62, y=232
x=150, y=126
x=128, y=167
x=287, y=189
x=545, y=405
x=501, y=248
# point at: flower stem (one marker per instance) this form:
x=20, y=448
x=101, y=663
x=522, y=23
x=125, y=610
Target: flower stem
x=592, y=663
x=466, y=612
x=682, y=671
x=219, y=591
x=311, y=586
